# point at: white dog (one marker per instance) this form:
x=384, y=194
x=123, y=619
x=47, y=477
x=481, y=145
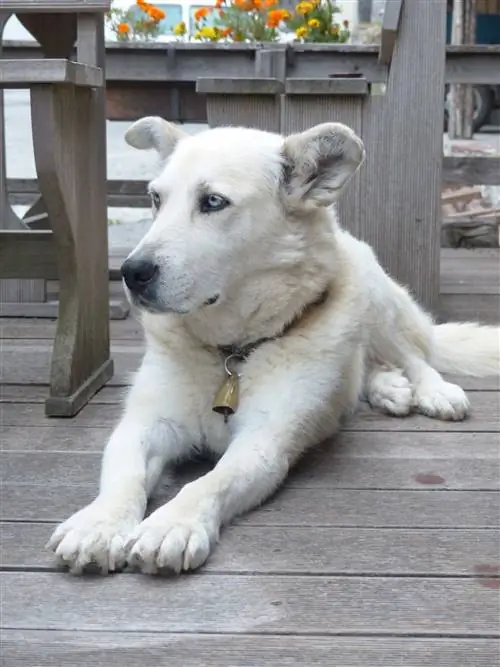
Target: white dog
x=245, y=281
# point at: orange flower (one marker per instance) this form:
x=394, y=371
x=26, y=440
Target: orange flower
x=219, y=3
x=258, y=4
x=123, y=28
x=156, y=13
x=270, y=3
x=201, y=13
x=245, y=6
x=225, y=32
x=276, y=16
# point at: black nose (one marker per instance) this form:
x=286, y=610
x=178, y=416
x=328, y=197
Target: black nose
x=138, y=273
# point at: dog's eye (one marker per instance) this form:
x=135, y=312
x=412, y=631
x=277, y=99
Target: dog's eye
x=212, y=202
x=155, y=199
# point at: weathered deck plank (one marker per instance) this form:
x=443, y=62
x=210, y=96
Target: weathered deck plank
x=291, y=507
x=306, y=549
x=389, y=534
x=485, y=417
x=456, y=469
x=257, y=604
x=81, y=649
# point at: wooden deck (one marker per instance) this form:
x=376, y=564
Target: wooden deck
x=382, y=550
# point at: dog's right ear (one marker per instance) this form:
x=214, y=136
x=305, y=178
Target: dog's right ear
x=154, y=132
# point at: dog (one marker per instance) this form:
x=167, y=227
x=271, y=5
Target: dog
x=265, y=323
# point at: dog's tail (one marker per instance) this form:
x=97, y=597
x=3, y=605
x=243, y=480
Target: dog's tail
x=466, y=349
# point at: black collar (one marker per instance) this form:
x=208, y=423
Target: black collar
x=242, y=352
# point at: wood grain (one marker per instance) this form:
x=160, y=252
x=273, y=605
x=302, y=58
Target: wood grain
x=290, y=507
x=485, y=417
x=285, y=604
x=457, y=469
x=303, y=550
x=81, y=649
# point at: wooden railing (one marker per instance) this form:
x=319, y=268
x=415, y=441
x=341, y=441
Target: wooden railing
x=133, y=193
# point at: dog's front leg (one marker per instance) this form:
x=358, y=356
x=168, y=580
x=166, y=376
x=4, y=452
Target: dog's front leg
x=180, y=534
x=151, y=434
x=288, y=412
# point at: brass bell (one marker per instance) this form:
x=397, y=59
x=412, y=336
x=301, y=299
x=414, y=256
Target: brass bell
x=227, y=398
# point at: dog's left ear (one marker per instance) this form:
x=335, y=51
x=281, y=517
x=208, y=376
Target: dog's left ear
x=319, y=162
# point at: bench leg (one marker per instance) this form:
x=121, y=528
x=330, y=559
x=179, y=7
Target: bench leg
x=70, y=159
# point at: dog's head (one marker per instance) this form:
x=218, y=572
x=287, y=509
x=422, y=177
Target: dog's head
x=237, y=212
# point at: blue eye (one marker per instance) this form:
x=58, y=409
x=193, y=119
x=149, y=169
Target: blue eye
x=155, y=199
x=210, y=203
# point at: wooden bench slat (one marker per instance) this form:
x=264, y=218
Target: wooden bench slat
x=27, y=254
x=22, y=73
x=323, y=86
x=240, y=86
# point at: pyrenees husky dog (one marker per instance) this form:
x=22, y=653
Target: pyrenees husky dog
x=265, y=323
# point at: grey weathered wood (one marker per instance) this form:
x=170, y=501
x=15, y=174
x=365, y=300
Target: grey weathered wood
x=333, y=86
x=477, y=64
x=240, y=86
x=24, y=73
x=27, y=254
x=326, y=469
x=13, y=290
x=129, y=329
x=244, y=651
x=291, y=506
x=133, y=193
x=476, y=272
x=305, y=549
x=39, y=6
x=478, y=308
x=69, y=144
x=21, y=647
x=212, y=603
x=390, y=25
x=485, y=414
x=405, y=229
x=147, y=62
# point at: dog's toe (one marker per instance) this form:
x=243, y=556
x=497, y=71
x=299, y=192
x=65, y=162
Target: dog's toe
x=445, y=401
x=94, y=536
x=391, y=392
x=171, y=540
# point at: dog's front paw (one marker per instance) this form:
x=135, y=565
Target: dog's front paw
x=96, y=535
x=178, y=536
x=443, y=400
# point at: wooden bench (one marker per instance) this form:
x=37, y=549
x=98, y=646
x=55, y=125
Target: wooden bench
x=69, y=140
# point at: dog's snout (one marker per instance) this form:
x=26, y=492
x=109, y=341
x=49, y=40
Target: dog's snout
x=138, y=273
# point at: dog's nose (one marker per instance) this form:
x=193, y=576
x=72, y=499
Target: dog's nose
x=138, y=273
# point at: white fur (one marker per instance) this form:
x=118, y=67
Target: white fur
x=272, y=252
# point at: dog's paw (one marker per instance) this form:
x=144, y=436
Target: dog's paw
x=94, y=536
x=443, y=400
x=176, y=537
x=391, y=392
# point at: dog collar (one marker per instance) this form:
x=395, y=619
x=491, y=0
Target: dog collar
x=227, y=398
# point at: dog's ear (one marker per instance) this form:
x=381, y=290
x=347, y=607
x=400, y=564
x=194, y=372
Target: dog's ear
x=319, y=162
x=154, y=132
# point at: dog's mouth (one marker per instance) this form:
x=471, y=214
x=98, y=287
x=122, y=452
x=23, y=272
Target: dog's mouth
x=210, y=302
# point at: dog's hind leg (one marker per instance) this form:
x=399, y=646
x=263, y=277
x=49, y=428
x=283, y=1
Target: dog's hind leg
x=387, y=389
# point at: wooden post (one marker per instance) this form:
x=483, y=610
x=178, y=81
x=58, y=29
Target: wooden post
x=400, y=210
x=461, y=112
